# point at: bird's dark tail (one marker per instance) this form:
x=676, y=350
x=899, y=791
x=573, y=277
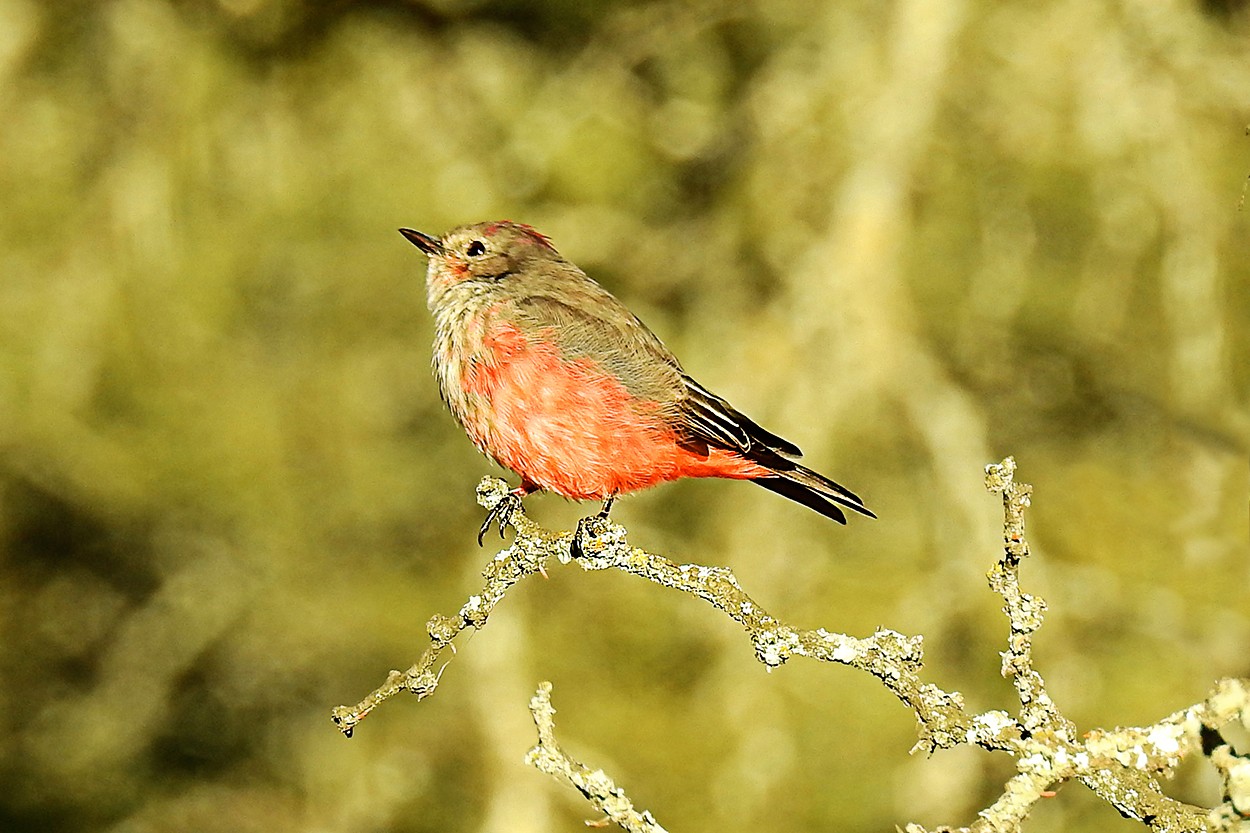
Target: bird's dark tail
x=813, y=490
x=709, y=421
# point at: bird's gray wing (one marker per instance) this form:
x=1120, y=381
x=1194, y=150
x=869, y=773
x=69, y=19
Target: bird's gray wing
x=600, y=329
x=591, y=323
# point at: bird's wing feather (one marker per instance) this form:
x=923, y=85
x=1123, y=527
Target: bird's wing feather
x=711, y=418
x=591, y=323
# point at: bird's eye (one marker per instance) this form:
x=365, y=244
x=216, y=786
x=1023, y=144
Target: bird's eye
x=477, y=247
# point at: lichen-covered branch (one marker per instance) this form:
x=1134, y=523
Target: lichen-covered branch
x=595, y=785
x=528, y=555
x=1124, y=766
x=1038, y=713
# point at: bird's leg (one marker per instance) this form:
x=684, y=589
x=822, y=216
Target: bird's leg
x=583, y=526
x=502, y=512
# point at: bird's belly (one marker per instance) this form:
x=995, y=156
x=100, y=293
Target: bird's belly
x=569, y=426
x=565, y=425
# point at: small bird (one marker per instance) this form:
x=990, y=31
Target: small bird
x=550, y=375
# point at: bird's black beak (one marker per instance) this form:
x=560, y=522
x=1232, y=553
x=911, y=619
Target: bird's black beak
x=430, y=245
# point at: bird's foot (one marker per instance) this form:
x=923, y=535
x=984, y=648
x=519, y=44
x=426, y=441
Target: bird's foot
x=590, y=527
x=501, y=513
x=584, y=532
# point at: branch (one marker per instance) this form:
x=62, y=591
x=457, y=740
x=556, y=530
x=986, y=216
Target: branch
x=528, y=555
x=597, y=787
x=891, y=657
x=1123, y=766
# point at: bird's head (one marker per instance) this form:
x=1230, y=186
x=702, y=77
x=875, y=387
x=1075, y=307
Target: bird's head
x=479, y=256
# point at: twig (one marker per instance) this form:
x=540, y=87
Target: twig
x=534, y=545
x=595, y=785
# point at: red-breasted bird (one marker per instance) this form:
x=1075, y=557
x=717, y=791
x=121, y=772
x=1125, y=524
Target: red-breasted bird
x=555, y=379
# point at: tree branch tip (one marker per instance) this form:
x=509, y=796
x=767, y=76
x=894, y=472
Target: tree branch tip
x=543, y=713
x=345, y=719
x=490, y=490
x=1231, y=696
x=999, y=476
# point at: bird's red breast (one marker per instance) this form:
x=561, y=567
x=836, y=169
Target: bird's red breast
x=570, y=426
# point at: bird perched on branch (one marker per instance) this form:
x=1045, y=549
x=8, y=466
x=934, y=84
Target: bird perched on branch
x=555, y=379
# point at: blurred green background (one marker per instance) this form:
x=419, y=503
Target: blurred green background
x=913, y=237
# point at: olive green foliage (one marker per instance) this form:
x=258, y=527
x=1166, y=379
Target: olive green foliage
x=913, y=237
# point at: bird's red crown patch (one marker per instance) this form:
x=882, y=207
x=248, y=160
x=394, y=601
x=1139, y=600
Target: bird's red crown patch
x=537, y=235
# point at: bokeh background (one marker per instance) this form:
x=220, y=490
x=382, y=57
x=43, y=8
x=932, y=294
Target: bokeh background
x=913, y=236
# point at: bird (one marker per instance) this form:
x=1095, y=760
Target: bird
x=555, y=379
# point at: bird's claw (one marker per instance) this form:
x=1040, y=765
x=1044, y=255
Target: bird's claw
x=582, y=532
x=501, y=513
x=589, y=526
